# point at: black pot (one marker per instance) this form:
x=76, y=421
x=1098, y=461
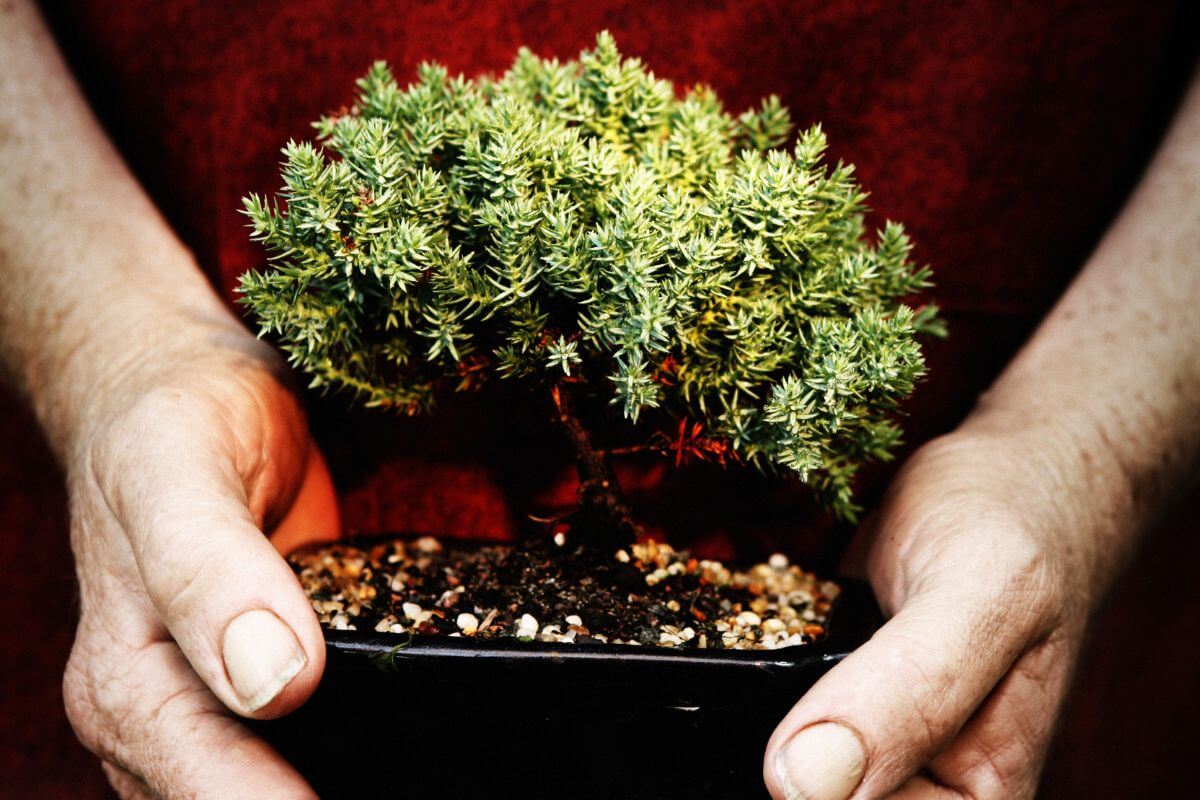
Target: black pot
x=443, y=717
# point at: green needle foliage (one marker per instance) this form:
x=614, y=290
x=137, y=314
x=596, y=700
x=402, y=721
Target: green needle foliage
x=580, y=222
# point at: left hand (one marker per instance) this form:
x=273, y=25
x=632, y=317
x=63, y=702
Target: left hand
x=188, y=615
x=987, y=573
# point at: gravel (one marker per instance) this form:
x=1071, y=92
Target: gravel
x=554, y=591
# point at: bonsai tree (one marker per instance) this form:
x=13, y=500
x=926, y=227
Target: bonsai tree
x=580, y=227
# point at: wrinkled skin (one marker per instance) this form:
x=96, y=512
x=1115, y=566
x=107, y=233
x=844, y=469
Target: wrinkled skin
x=169, y=492
x=987, y=584
x=192, y=456
x=182, y=444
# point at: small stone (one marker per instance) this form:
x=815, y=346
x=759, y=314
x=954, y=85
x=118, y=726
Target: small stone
x=412, y=611
x=623, y=556
x=560, y=539
x=774, y=625
x=673, y=605
x=527, y=627
x=574, y=619
x=427, y=544
x=748, y=619
x=467, y=623
x=778, y=561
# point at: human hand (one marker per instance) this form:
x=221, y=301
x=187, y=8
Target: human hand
x=986, y=568
x=188, y=612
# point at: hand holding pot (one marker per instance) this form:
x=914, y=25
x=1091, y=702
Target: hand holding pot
x=987, y=583
x=188, y=612
x=180, y=442
x=996, y=543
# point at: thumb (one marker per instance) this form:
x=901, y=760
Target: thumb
x=880, y=715
x=229, y=600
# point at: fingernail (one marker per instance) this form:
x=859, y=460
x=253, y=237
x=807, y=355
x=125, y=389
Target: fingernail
x=261, y=656
x=825, y=761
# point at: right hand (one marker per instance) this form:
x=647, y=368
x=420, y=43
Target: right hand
x=189, y=615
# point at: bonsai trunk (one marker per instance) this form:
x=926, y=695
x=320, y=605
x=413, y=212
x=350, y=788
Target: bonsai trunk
x=603, y=517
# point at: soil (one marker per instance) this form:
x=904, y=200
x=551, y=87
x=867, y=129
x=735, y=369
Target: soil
x=555, y=590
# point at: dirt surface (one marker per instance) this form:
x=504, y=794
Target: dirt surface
x=555, y=590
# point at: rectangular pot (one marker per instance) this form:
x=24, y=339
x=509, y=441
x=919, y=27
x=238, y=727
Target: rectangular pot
x=398, y=716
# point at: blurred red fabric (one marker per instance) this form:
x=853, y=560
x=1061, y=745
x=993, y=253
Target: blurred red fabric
x=1003, y=134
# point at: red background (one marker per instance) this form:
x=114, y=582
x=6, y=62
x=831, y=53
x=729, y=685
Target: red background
x=1004, y=134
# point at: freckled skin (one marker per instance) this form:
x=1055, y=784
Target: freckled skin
x=163, y=411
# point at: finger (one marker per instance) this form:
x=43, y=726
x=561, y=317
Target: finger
x=229, y=600
x=164, y=735
x=313, y=516
x=879, y=716
x=1000, y=753
x=919, y=787
x=125, y=783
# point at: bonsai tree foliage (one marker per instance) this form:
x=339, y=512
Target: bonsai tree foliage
x=581, y=227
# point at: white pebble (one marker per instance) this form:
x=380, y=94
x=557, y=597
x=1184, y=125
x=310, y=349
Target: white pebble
x=778, y=561
x=527, y=627
x=748, y=619
x=560, y=539
x=427, y=544
x=574, y=619
x=622, y=556
x=468, y=623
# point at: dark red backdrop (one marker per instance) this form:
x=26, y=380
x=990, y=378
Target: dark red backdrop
x=1004, y=134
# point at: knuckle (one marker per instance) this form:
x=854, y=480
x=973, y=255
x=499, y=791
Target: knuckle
x=85, y=705
x=1037, y=580
x=101, y=695
x=116, y=716
x=1007, y=775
